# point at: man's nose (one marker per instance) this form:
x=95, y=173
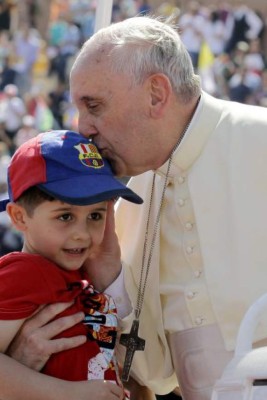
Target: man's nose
x=86, y=127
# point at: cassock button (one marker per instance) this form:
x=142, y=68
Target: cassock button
x=198, y=320
x=190, y=295
x=189, y=250
x=189, y=226
x=197, y=273
x=181, y=202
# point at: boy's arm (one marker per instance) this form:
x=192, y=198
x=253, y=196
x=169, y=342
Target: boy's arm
x=18, y=382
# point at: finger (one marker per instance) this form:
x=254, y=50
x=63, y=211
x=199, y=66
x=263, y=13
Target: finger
x=46, y=314
x=53, y=328
x=109, y=227
x=115, y=389
x=58, y=345
x=112, y=385
x=110, y=236
x=110, y=219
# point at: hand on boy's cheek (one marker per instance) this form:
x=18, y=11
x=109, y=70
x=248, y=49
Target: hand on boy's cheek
x=103, y=265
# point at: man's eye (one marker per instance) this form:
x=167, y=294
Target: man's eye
x=65, y=217
x=92, y=106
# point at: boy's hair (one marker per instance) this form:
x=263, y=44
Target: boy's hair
x=32, y=198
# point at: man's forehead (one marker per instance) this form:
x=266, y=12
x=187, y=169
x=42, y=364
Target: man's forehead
x=86, y=87
x=94, y=52
x=81, y=76
x=87, y=65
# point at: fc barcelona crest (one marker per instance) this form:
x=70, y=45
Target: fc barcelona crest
x=89, y=155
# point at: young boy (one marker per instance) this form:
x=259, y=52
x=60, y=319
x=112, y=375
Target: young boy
x=60, y=192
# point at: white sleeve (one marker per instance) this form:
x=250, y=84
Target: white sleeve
x=255, y=24
x=118, y=292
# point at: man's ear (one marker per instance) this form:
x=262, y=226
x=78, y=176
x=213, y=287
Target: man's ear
x=17, y=215
x=160, y=92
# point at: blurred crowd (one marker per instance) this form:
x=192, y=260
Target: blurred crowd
x=228, y=50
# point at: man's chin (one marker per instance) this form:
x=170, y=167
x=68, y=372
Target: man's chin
x=116, y=168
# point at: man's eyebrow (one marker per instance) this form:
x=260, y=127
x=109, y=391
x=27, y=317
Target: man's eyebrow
x=87, y=98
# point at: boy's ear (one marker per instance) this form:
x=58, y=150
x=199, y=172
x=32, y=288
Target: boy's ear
x=160, y=91
x=17, y=215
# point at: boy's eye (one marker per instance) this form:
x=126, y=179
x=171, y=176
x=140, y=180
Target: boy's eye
x=65, y=217
x=95, y=216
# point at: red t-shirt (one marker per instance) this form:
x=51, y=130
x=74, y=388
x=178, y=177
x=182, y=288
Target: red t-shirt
x=28, y=281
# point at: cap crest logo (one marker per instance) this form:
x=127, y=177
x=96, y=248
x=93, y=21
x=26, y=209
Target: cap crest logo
x=89, y=155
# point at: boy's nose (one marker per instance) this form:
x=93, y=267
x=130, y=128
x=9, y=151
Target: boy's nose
x=81, y=232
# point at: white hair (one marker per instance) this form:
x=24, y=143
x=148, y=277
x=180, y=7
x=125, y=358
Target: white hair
x=141, y=46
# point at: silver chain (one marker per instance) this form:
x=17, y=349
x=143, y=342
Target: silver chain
x=145, y=268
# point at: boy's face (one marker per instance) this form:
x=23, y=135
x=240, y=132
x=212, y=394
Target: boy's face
x=63, y=233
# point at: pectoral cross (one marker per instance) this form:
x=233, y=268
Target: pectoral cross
x=132, y=342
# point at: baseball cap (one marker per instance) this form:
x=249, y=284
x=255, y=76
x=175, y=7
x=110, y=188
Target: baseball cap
x=66, y=166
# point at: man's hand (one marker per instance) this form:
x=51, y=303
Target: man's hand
x=33, y=345
x=97, y=389
x=104, y=265
x=139, y=392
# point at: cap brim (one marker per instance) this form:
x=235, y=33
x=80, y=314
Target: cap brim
x=3, y=204
x=84, y=190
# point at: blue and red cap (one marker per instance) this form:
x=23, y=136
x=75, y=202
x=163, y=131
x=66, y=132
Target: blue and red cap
x=66, y=166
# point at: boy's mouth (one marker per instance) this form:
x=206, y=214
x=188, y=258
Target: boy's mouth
x=75, y=251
